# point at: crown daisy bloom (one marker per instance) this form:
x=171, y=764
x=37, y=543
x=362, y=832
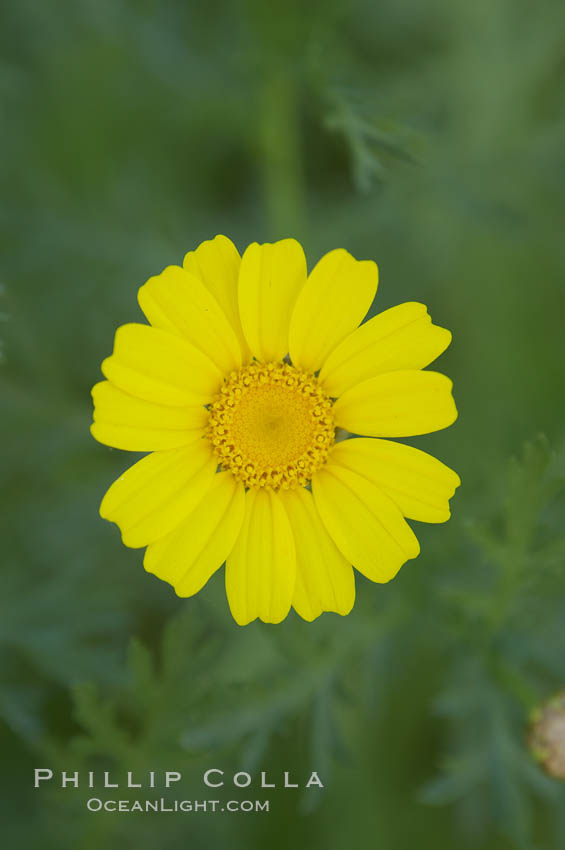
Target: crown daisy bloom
x=237, y=388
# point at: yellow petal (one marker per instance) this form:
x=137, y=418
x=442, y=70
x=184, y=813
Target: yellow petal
x=178, y=302
x=125, y=422
x=270, y=278
x=418, y=483
x=324, y=578
x=156, y=493
x=261, y=569
x=160, y=367
x=397, y=404
x=400, y=338
x=335, y=299
x=193, y=551
x=216, y=263
x=364, y=522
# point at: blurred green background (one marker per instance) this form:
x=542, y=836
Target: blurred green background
x=428, y=136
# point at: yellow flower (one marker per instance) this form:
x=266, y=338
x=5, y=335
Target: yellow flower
x=237, y=387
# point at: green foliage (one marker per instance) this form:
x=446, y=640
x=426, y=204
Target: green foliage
x=505, y=652
x=371, y=143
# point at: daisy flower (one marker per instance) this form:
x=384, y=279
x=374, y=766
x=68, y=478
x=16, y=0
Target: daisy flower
x=242, y=387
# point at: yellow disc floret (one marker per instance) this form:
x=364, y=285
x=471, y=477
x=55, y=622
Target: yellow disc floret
x=272, y=425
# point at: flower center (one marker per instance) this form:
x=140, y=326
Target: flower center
x=272, y=425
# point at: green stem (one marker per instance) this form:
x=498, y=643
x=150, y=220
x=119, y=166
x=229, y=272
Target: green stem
x=281, y=151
